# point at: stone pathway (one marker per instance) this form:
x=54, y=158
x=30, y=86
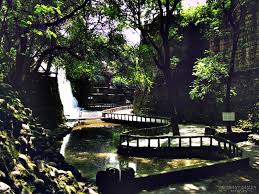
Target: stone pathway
x=126, y=111
x=252, y=151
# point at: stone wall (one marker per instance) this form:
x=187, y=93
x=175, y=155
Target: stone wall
x=248, y=50
x=41, y=94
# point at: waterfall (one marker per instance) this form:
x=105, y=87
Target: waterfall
x=64, y=144
x=69, y=102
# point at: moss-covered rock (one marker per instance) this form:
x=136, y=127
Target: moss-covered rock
x=29, y=160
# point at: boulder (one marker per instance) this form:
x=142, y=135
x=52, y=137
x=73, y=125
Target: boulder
x=2, y=175
x=3, y=103
x=15, y=174
x=39, y=183
x=25, y=127
x=4, y=188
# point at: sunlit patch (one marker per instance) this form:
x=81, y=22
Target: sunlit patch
x=141, y=160
x=244, y=179
x=190, y=187
x=97, y=123
x=176, y=163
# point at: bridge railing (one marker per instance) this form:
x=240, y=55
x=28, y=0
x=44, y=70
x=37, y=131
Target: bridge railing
x=134, y=118
x=150, y=131
x=164, y=124
x=151, y=137
x=130, y=141
x=112, y=110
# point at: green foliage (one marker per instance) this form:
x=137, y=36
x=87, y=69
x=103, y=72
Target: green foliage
x=252, y=122
x=210, y=75
x=139, y=73
x=110, y=11
x=210, y=16
x=23, y=22
x=174, y=62
x=41, y=9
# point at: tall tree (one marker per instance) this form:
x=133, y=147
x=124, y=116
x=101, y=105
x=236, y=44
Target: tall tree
x=223, y=19
x=234, y=15
x=161, y=16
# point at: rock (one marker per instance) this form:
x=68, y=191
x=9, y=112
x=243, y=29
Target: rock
x=12, y=109
x=3, y=103
x=23, y=140
x=25, y=160
x=15, y=174
x=61, y=172
x=40, y=166
x=54, y=164
x=28, y=111
x=23, y=132
x=2, y=175
x=26, y=191
x=2, y=137
x=52, y=173
x=39, y=183
x=4, y=188
x=70, y=189
x=20, y=168
x=91, y=191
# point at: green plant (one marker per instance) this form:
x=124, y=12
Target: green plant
x=252, y=122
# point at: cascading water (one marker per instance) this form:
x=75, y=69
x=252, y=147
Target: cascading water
x=70, y=103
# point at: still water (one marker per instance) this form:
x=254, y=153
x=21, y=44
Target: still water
x=94, y=149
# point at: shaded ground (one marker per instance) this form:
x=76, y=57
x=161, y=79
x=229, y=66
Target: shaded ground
x=242, y=181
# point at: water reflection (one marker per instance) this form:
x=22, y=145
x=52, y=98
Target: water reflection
x=95, y=149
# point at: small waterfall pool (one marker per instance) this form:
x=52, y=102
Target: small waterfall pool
x=95, y=149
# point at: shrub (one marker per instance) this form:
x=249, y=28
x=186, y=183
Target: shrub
x=252, y=122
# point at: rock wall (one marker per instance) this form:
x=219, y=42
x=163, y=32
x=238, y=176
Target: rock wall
x=248, y=51
x=41, y=94
x=30, y=162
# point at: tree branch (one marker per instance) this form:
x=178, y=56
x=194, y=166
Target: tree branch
x=44, y=26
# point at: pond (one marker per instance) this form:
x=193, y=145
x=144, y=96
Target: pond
x=94, y=149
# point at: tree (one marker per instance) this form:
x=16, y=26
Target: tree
x=28, y=33
x=144, y=15
x=228, y=15
x=234, y=16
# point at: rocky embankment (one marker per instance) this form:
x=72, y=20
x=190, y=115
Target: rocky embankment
x=29, y=161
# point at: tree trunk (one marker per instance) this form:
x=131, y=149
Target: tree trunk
x=230, y=76
x=172, y=100
x=17, y=76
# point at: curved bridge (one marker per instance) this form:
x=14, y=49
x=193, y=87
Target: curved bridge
x=155, y=141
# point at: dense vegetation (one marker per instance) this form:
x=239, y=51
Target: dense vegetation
x=87, y=39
